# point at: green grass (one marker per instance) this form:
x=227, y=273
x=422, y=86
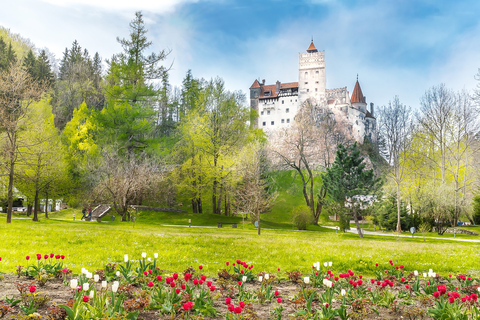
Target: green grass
x=92, y=245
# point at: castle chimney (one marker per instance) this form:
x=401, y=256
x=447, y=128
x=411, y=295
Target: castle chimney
x=371, y=109
x=277, y=86
x=263, y=82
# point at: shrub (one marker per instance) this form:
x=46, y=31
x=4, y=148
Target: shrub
x=301, y=217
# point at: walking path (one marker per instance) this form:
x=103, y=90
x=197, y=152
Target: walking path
x=402, y=235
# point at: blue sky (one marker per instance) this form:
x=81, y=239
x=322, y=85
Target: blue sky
x=397, y=47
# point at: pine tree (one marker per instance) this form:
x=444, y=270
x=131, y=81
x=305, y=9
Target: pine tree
x=43, y=70
x=347, y=178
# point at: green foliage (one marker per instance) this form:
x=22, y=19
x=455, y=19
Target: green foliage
x=301, y=217
x=387, y=214
x=476, y=209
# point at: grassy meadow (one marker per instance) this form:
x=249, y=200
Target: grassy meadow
x=92, y=245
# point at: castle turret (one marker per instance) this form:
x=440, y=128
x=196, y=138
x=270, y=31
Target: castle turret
x=311, y=75
x=358, y=99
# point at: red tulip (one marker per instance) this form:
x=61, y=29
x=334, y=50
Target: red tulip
x=241, y=304
x=212, y=288
x=228, y=300
x=183, y=287
x=178, y=290
x=150, y=284
x=276, y=292
x=231, y=307
x=279, y=300
x=200, y=267
x=33, y=289
x=27, y=257
x=159, y=278
x=85, y=298
x=51, y=255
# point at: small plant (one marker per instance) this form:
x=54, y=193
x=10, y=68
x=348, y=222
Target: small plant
x=301, y=217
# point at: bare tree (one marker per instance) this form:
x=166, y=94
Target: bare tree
x=18, y=91
x=309, y=146
x=252, y=196
x=125, y=181
x=395, y=132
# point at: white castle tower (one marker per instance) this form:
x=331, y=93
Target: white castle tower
x=312, y=80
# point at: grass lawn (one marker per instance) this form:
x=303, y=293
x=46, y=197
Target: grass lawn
x=92, y=245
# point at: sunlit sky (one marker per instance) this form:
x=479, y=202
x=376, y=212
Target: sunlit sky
x=396, y=47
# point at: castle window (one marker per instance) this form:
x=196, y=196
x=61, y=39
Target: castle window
x=306, y=82
x=287, y=110
x=288, y=120
x=316, y=72
x=268, y=112
x=283, y=102
x=306, y=73
x=267, y=94
x=273, y=122
x=283, y=120
x=316, y=82
x=316, y=89
x=308, y=90
x=261, y=113
x=264, y=123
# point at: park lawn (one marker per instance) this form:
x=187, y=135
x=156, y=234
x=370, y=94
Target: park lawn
x=92, y=245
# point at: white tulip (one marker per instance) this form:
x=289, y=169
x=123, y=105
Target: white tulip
x=144, y=255
x=327, y=283
x=96, y=278
x=89, y=275
x=478, y=289
x=149, y=259
x=260, y=278
x=244, y=278
x=73, y=283
x=424, y=275
x=117, y=273
x=330, y=263
x=104, y=284
x=84, y=271
x=115, y=283
x=325, y=264
x=114, y=288
x=306, y=280
x=91, y=294
x=430, y=270
x=125, y=258
x=415, y=273
x=86, y=286
x=155, y=255
x=343, y=292
x=267, y=276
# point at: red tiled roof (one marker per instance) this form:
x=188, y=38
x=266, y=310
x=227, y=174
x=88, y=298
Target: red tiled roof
x=273, y=89
x=312, y=48
x=330, y=101
x=369, y=115
x=255, y=84
x=357, y=95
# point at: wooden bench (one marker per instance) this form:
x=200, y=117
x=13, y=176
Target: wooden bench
x=220, y=224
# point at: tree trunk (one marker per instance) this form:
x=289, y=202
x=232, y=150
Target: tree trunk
x=214, y=196
x=10, y=190
x=219, y=199
x=399, y=224
x=194, y=205
x=199, y=205
x=29, y=209
x=36, y=207
x=46, y=205
x=258, y=221
x=355, y=217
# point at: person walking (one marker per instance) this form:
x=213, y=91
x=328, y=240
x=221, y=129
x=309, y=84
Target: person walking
x=89, y=216
x=84, y=210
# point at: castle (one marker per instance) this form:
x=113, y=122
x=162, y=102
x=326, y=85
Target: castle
x=278, y=104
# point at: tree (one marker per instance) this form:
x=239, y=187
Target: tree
x=40, y=164
x=308, y=147
x=18, y=92
x=80, y=80
x=347, y=179
x=396, y=133
x=124, y=180
x=253, y=196
x=131, y=72
x=476, y=209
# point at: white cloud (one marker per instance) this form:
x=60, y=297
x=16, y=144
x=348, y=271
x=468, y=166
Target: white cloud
x=157, y=6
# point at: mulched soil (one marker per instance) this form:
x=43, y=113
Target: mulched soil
x=58, y=293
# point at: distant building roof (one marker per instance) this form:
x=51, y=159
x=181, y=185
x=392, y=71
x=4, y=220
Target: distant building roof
x=312, y=48
x=270, y=91
x=255, y=85
x=357, y=95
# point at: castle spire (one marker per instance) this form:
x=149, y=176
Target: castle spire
x=312, y=48
x=357, y=94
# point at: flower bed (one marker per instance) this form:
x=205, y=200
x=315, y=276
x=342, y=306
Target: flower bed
x=140, y=289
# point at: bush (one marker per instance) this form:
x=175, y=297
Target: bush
x=301, y=217
x=476, y=209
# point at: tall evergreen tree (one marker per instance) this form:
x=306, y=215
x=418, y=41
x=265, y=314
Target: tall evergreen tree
x=347, y=179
